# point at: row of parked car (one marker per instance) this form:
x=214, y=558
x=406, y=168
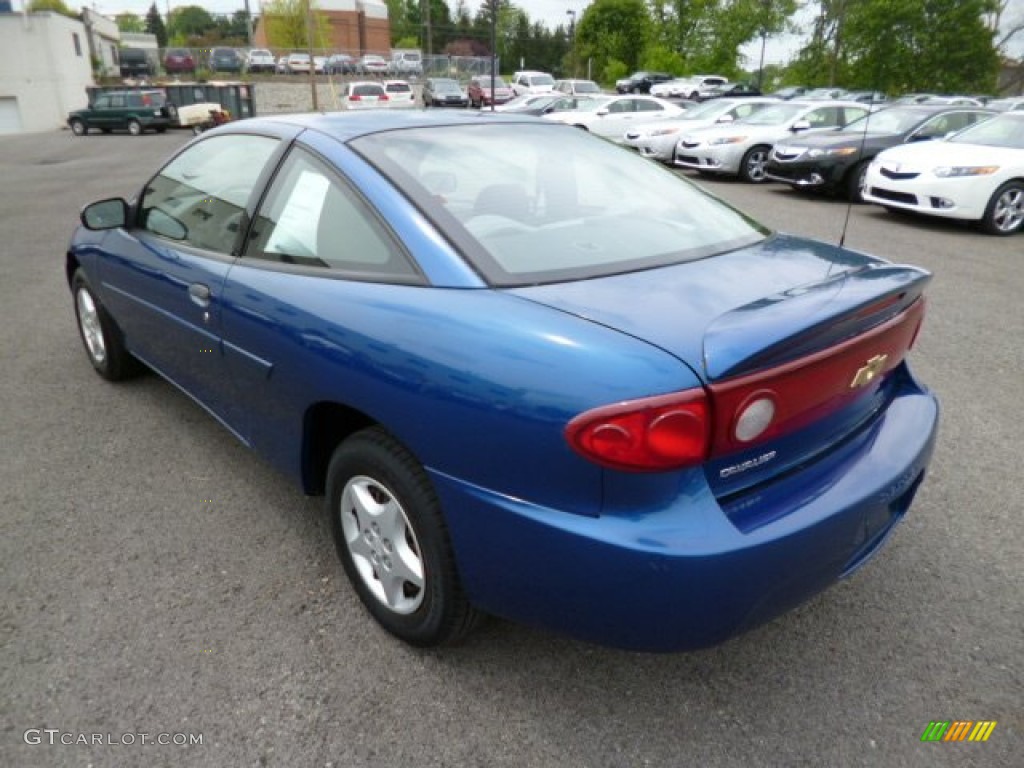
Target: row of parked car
x=139, y=63
x=960, y=161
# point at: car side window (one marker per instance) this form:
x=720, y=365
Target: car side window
x=310, y=218
x=620, y=106
x=958, y=121
x=820, y=118
x=649, y=106
x=743, y=110
x=852, y=113
x=102, y=102
x=199, y=197
x=934, y=128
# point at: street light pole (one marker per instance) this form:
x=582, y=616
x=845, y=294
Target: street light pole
x=494, y=45
x=572, y=40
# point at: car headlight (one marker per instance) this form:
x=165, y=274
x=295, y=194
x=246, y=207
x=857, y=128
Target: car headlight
x=727, y=140
x=664, y=132
x=837, y=152
x=954, y=171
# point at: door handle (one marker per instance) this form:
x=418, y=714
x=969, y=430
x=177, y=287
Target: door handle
x=199, y=294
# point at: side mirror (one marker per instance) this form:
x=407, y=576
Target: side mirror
x=725, y=119
x=801, y=125
x=105, y=214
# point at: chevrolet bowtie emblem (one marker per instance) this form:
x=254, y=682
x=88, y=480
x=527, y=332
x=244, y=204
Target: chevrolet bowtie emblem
x=869, y=371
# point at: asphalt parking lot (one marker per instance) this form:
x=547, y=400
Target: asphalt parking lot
x=160, y=579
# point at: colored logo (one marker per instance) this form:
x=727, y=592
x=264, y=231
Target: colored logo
x=869, y=371
x=958, y=730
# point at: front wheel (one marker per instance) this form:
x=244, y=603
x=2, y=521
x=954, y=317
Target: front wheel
x=100, y=334
x=1004, y=213
x=134, y=127
x=78, y=127
x=752, y=168
x=393, y=542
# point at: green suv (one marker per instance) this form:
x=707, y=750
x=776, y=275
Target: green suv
x=134, y=111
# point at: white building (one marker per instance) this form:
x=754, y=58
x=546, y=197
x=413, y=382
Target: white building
x=45, y=70
x=104, y=39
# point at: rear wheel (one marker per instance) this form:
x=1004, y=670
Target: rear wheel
x=392, y=540
x=855, y=182
x=78, y=127
x=1004, y=214
x=134, y=127
x=752, y=168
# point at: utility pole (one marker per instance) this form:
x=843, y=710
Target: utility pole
x=312, y=63
x=494, y=45
x=572, y=40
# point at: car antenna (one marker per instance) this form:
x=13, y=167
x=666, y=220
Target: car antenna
x=850, y=196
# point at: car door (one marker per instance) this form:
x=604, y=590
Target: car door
x=620, y=113
x=116, y=114
x=302, y=302
x=98, y=115
x=165, y=282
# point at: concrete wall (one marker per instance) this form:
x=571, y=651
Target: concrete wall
x=42, y=69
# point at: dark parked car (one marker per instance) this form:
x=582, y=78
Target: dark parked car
x=225, y=60
x=837, y=162
x=641, y=82
x=789, y=92
x=341, y=64
x=434, y=322
x=135, y=62
x=179, y=61
x=731, y=90
x=443, y=92
x=133, y=111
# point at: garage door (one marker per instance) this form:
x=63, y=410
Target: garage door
x=10, y=118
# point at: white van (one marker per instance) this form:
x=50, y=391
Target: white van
x=406, y=62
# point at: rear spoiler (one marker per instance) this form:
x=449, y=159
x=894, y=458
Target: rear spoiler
x=781, y=328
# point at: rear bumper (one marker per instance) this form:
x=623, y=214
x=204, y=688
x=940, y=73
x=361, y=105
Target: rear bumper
x=688, y=575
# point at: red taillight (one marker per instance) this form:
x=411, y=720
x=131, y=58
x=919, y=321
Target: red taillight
x=355, y=97
x=383, y=97
x=648, y=435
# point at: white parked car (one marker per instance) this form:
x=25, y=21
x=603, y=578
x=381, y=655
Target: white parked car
x=657, y=139
x=399, y=94
x=677, y=88
x=698, y=86
x=372, y=64
x=298, y=63
x=530, y=81
x=977, y=174
x=611, y=116
x=578, y=87
x=742, y=148
x=364, y=95
x=260, y=60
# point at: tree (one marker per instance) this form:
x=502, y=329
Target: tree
x=931, y=45
x=57, y=6
x=155, y=26
x=613, y=30
x=287, y=24
x=190, y=21
x=130, y=22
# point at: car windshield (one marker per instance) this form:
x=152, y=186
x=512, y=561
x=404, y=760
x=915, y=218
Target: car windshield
x=708, y=110
x=891, y=121
x=446, y=86
x=774, y=115
x=1005, y=130
x=532, y=203
x=542, y=80
x=586, y=86
x=485, y=82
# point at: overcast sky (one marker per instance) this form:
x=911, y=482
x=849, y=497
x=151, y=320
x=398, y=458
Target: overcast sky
x=551, y=12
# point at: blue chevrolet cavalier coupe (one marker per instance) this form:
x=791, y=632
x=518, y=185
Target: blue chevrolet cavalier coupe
x=533, y=374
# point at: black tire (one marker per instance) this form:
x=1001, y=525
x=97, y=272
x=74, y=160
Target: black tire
x=134, y=127
x=1004, y=214
x=855, y=182
x=752, y=166
x=172, y=112
x=102, y=339
x=371, y=472
x=78, y=127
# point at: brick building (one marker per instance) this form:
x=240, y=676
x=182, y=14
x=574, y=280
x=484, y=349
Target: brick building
x=354, y=27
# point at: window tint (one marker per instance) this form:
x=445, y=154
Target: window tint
x=825, y=116
x=200, y=196
x=310, y=218
x=649, y=106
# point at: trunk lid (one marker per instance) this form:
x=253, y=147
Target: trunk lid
x=820, y=329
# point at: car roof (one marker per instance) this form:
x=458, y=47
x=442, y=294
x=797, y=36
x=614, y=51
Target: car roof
x=345, y=126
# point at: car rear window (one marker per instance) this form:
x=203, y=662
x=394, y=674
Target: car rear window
x=533, y=203
x=368, y=89
x=398, y=88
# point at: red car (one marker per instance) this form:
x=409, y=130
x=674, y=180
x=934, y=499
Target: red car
x=479, y=91
x=179, y=60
